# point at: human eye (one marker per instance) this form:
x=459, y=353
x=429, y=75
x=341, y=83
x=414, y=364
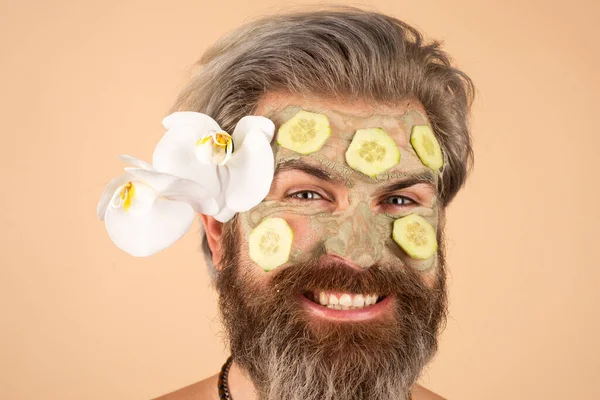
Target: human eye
x=401, y=201
x=305, y=195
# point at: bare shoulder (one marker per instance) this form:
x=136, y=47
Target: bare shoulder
x=420, y=393
x=202, y=390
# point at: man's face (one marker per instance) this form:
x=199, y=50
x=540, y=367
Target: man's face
x=290, y=343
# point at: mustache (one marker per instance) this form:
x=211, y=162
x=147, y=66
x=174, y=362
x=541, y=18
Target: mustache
x=382, y=279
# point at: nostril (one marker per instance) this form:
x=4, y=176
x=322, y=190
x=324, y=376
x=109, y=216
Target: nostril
x=343, y=260
x=364, y=261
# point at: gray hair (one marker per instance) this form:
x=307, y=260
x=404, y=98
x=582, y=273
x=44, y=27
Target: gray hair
x=338, y=52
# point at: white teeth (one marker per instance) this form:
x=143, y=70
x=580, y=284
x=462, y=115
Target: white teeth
x=371, y=299
x=333, y=300
x=344, y=301
x=323, y=298
x=358, y=300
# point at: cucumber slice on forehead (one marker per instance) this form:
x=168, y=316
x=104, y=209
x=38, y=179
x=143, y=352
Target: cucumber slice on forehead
x=270, y=243
x=426, y=146
x=372, y=151
x=304, y=133
x=415, y=236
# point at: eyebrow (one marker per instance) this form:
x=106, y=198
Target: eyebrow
x=426, y=177
x=316, y=171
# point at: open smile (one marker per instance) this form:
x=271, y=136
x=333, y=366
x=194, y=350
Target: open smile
x=345, y=306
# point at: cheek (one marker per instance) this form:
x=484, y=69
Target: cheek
x=311, y=233
x=307, y=236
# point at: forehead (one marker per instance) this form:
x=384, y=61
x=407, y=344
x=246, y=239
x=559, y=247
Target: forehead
x=345, y=119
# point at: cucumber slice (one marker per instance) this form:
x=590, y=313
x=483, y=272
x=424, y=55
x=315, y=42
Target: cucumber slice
x=426, y=146
x=270, y=243
x=372, y=151
x=416, y=236
x=304, y=133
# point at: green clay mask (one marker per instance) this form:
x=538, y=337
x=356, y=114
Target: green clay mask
x=332, y=208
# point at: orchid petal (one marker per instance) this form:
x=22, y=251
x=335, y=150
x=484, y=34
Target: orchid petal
x=175, y=154
x=204, y=150
x=223, y=174
x=228, y=152
x=135, y=197
x=158, y=180
x=109, y=192
x=135, y=162
x=250, y=123
x=193, y=194
x=251, y=173
x=144, y=235
x=198, y=121
x=224, y=215
x=180, y=189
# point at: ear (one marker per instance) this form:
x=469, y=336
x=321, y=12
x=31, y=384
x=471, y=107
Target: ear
x=214, y=231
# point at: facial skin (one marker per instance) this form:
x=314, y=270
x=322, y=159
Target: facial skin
x=351, y=215
x=342, y=223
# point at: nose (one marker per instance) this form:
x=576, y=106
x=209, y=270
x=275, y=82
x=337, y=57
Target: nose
x=341, y=260
x=358, y=240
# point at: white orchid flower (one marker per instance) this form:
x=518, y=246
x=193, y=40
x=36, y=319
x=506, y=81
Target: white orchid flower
x=236, y=169
x=146, y=211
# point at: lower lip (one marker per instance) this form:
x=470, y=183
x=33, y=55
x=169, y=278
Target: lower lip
x=361, y=314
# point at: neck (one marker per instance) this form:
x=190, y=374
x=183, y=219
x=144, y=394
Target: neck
x=240, y=387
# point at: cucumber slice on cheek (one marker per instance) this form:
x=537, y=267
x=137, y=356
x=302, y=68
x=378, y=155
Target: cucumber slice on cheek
x=270, y=243
x=304, y=133
x=415, y=236
x=372, y=151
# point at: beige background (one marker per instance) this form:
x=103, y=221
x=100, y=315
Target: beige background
x=82, y=82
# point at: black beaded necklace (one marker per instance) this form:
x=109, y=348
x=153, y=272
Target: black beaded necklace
x=222, y=385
